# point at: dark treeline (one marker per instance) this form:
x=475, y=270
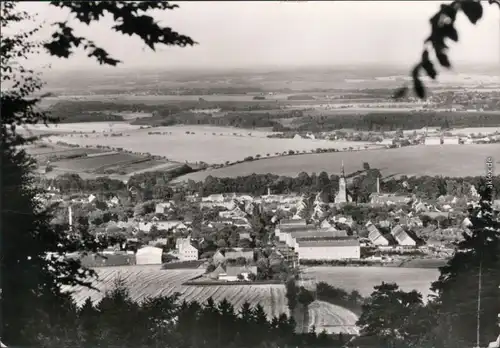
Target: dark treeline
x=392, y=121
x=117, y=321
x=91, y=111
x=430, y=187
x=154, y=185
x=240, y=119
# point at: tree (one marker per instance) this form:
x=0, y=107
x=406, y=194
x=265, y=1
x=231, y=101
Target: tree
x=442, y=28
x=475, y=267
x=389, y=314
x=31, y=276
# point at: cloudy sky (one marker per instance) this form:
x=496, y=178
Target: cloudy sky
x=272, y=34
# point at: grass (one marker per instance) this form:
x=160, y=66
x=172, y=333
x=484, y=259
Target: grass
x=446, y=160
x=147, y=281
x=332, y=318
x=97, y=162
x=363, y=279
x=207, y=144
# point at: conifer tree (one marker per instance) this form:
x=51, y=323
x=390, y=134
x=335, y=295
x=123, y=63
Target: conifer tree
x=467, y=289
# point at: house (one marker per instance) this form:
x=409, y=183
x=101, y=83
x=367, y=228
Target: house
x=217, y=272
x=232, y=273
x=145, y=226
x=237, y=212
x=241, y=223
x=329, y=249
x=113, y=202
x=388, y=199
x=91, y=198
x=158, y=241
x=293, y=222
x=163, y=208
x=149, y=255
x=245, y=235
x=168, y=224
x=292, y=238
x=186, y=250
x=222, y=255
x=214, y=198
x=374, y=235
x=402, y=237
x=326, y=224
x=436, y=214
x=496, y=205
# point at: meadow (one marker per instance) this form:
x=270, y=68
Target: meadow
x=446, y=160
x=332, y=318
x=85, y=127
x=97, y=162
x=363, y=279
x=204, y=143
x=151, y=281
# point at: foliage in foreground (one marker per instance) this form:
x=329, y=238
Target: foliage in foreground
x=450, y=319
x=117, y=321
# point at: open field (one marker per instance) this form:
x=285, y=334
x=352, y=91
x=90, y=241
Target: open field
x=332, y=318
x=150, y=281
x=91, y=162
x=207, y=144
x=446, y=160
x=363, y=279
x=98, y=162
x=85, y=127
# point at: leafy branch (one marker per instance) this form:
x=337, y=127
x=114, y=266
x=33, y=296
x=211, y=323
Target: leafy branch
x=442, y=29
x=129, y=18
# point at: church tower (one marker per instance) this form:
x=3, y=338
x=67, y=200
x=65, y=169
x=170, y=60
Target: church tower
x=342, y=193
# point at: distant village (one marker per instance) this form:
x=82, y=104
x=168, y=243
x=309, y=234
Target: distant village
x=301, y=230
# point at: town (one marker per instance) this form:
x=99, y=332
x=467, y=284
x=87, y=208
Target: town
x=240, y=237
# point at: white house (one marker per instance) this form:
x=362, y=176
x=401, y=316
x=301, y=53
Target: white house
x=332, y=249
x=145, y=226
x=168, y=224
x=148, y=255
x=162, y=208
x=186, y=250
x=91, y=198
x=232, y=272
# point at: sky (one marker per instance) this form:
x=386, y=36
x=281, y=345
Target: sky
x=256, y=34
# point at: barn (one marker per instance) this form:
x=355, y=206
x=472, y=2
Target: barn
x=328, y=249
x=148, y=255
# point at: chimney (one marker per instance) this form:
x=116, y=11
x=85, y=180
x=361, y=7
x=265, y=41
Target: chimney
x=378, y=185
x=70, y=216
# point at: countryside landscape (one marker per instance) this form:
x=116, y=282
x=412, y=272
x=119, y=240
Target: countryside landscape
x=284, y=189
x=226, y=135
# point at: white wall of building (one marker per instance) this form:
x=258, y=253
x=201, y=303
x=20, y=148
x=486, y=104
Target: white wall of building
x=188, y=253
x=329, y=252
x=149, y=256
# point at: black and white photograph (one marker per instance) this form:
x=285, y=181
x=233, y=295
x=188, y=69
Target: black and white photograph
x=250, y=174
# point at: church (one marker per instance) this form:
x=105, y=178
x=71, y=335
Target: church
x=342, y=194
